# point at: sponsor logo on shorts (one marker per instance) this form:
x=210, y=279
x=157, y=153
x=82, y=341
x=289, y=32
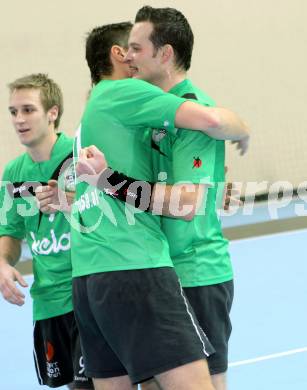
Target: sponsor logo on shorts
x=49, y=351
x=82, y=378
x=53, y=370
x=81, y=364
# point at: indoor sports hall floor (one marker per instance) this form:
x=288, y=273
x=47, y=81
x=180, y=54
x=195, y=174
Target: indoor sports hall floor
x=268, y=349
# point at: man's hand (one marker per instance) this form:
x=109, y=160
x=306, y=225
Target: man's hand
x=48, y=197
x=51, y=199
x=8, y=276
x=91, y=161
x=242, y=145
x=231, y=195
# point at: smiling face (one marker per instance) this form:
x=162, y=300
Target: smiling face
x=29, y=118
x=145, y=60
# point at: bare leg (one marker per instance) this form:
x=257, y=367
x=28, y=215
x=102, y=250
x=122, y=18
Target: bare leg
x=219, y=381
x=115, y=383
x=152, y=384
x=191, y=376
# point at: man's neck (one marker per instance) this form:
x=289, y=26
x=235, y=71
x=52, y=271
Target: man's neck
x=171, y=79
x=117, y=74
x=42, y=151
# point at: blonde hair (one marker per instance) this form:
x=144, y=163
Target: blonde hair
x=50, y=92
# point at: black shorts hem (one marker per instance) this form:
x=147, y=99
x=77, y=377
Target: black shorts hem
x=54, y=385
x=79, y=385
x=105, y=374
x=139, y=378
x=218, y=370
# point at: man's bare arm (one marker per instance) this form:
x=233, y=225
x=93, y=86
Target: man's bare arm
x=10, y=250
x=178, y=200
x=216, y=122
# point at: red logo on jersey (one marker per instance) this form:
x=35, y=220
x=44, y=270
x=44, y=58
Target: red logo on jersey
x=49, y=351
x=197, y=162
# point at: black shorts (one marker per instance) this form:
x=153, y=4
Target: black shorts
x=57, y=353
x=212, y=306
x=136, y=322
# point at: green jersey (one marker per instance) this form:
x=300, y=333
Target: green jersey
x=198, y=249
x=113, y=235
x=48, y=236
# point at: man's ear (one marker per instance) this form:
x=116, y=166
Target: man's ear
x=167, y=53
x=52, y=114
x=118, y=53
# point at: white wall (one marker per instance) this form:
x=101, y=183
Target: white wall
x=249, y=55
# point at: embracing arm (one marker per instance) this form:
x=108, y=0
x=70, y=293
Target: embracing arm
x=216, y=122
x=176, y=201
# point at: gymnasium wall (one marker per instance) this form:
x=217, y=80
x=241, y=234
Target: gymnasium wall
x=249, y=55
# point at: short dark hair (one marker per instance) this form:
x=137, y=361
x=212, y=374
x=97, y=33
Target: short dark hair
x=98, y=46
x=171, y=27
